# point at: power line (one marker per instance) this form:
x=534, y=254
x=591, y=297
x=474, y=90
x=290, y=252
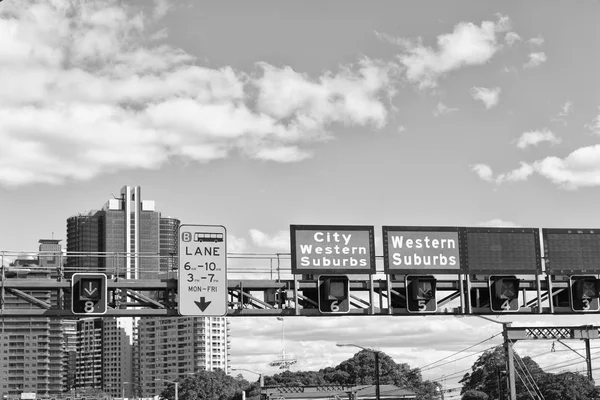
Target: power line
x=461, y=358
x=458, y=352
x=527, y=374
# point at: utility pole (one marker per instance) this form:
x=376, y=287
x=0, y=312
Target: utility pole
x=588, y=359
x=510, y=363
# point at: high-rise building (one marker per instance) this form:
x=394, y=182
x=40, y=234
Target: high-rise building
x=172, y=348
x=169, y=243
x=130, y=239
x=31, y=349
x=90, y=347
x=124, y=235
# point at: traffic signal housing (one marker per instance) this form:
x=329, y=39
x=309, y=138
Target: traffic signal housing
x=334, y=294
x=420, y=294
x=504, y=293
x=88, y=294
x=584, y=291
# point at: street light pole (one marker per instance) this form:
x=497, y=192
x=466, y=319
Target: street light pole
x=508, y=350
x=377, y=393
x=176, y=386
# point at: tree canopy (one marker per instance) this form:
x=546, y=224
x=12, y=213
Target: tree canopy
x=488, y=376
x=205, y=385
x=360, y=370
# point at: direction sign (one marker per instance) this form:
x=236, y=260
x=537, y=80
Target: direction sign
x=202, y=280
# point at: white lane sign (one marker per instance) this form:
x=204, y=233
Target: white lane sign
x=202, y=283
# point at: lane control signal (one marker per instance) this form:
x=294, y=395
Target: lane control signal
x=584, y=291
x=504, y=293
x=88, y=294
x=420, y=294
x=334, y=294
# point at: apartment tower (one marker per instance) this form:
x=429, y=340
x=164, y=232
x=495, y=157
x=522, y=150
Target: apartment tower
x=31, y=348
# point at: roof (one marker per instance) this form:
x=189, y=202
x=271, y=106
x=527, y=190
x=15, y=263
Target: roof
x=387, y=392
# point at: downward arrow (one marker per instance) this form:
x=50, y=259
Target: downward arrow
x=202, y=304
x=91, y=289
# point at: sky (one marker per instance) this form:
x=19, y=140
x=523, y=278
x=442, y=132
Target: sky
x=258, y=115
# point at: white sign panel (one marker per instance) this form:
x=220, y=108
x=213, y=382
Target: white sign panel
x=202, y=270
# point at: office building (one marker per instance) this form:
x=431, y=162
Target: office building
x=123, y=235
x=130, y=239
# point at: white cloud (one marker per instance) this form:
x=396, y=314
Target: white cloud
x=84, y=93
x=498, y=223
x=236, y=244
x=511, y=38
x=516, y=175
x=564, y=112
x=581, y=168
x=279, y=241
x=489, y=97
x=566, y=109
x=467, y=45
x=536, y=41
x=483, y=171
x=401, y=128
x=519, y=174
x=535, y=60
x=595, y=125
x=442, y=109
x=533, y=138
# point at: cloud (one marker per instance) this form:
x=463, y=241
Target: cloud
x=483, y=171
x=442, y=109
x=519, y=174
x=86, y=90
x=236, y=245
x=595, y=125
x=565, y=111
x=533, y=138
x=511, y=38
x=581, y=168
x=536, y=41
x=467, y=45
x=279, y=241
x=535, y=60
x=498, y=223
x=489, y=97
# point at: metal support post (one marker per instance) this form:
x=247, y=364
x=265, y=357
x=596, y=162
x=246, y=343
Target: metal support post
x=510, y=364
x=377, y=393
x=588, y=359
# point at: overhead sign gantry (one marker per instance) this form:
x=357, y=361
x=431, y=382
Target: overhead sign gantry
x=332, y=270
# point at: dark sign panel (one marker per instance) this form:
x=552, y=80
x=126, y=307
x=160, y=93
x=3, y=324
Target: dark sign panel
x=332, y=249
x=572, y=250
x=505, y=250
x=414, y=250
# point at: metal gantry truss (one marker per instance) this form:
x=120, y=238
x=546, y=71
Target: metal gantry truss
x=460, y=295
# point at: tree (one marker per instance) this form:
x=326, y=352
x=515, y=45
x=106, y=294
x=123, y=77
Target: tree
x=360, y=370
x=474, y=395
x=569, y=385
x=300, y=378
x=207, y=385
x=488, y=374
